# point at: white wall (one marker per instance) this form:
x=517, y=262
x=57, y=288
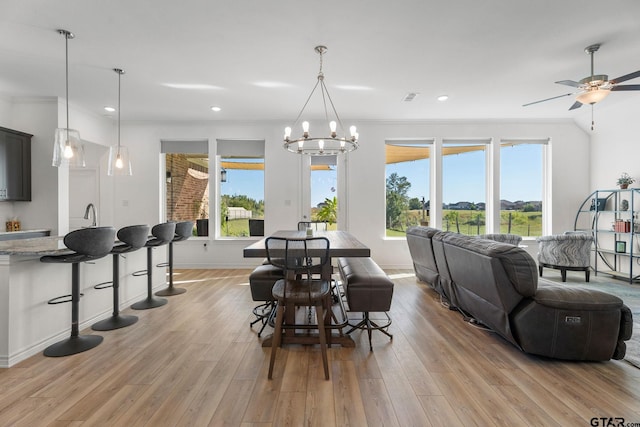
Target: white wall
x=49, y=208
x=615, y=142
x=139, y=199
x=363, y=195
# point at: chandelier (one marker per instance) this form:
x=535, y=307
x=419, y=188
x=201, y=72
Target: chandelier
x=328, y=145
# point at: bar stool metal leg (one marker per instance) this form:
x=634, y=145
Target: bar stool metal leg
x=76, y=343
x=151, y=301
x=171, y=290
x=117, y=320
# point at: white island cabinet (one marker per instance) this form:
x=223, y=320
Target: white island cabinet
x=28, y=324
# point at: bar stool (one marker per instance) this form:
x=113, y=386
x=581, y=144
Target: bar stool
x=162, y=235
x=184, y=230
x=133, y=238
x=87, y=244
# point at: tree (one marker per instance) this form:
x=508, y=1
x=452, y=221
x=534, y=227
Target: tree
x=415, y=203
x=329, y=211
x=397, y=200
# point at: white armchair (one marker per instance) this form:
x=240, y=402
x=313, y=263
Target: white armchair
x=569, y=251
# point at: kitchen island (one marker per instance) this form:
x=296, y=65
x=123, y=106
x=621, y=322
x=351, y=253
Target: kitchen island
x=28, y=324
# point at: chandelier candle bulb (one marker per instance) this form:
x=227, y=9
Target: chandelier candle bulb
x=333, y=126
x=287, y=133
x=305, y=129
x=321, y=145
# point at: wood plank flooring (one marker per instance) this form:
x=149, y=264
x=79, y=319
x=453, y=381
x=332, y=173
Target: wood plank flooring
x=196, y=362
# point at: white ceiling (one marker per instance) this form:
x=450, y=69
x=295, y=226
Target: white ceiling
x=489, y=56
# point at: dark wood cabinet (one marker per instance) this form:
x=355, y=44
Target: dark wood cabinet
x=15, y=165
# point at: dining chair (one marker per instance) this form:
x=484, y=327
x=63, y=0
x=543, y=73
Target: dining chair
x=298, y=258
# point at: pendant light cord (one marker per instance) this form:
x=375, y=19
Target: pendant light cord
x=119, y=77
x=66, y=55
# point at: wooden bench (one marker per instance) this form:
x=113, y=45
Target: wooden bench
x=367, y=289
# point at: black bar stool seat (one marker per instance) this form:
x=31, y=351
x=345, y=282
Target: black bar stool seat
x=184, y=230
x=133, y=238
x=87, y=244
x=162, y=235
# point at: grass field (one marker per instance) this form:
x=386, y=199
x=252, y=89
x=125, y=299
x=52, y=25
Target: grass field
x=468, y=222
x=473, y=222
x=240, y=228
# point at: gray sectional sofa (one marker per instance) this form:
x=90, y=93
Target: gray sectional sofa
x=497, y=284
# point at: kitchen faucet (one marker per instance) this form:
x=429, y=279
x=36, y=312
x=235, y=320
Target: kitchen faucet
x=91, y=208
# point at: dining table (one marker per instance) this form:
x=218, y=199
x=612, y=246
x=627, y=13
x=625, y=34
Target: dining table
x=341, y=244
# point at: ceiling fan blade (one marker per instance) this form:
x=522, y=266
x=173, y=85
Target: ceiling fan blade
x=548, y=99
x=626, y=87
x=575, y=105
x=625, y=77
x=569, y=83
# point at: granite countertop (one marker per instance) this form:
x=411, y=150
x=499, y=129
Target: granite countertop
x=25, y=231
x=37, y=246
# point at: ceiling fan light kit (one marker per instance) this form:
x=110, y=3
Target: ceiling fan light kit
x=595, y=87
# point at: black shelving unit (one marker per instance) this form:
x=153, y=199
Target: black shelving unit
x=616, y=249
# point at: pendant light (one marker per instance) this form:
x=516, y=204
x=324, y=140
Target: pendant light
x=119, y=162
x=68, y=148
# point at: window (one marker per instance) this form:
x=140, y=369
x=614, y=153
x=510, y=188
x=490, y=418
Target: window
x=242, y=197
x=187, y=182
x=521, y=188
x=241, y=188
x=407, y=185
x=464, y=186
x=324, y=184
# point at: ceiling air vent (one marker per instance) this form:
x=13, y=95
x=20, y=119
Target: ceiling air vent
x=409, y=97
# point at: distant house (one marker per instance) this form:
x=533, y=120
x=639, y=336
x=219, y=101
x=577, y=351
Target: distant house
x=238, y=213
x=461, y=206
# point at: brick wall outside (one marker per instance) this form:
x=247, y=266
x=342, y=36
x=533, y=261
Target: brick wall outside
x=188, y=191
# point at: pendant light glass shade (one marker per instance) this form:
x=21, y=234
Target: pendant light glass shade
x=119, y=162
x=68, y=148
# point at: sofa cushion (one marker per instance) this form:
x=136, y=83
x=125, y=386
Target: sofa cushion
x=421, y=250
x=575, y=298
x=520, y=268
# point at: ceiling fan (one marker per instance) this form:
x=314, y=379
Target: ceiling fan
x=595, y=87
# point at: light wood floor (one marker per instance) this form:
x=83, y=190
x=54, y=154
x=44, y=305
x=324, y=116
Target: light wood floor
x=195, y=361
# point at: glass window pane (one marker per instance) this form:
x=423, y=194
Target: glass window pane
x=463, y=187
x=324, y=200
x=521, y=188
x=407, y=186
x=187, y=188
x=242, y=197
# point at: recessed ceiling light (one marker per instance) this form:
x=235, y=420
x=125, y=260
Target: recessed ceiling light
x=192, y=86
x=216, y=109
x=109, y=109
x=443, y=97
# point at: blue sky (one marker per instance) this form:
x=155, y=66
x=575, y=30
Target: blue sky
x=463, y=177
